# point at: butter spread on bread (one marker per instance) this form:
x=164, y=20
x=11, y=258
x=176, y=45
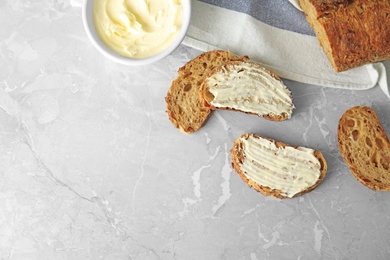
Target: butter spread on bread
x=275, y=168
x=248, y=87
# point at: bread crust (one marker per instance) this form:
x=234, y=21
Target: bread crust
x=365, y=147
x=208, y=97
x=238, y=156
x=352, y=32
x=185, y=108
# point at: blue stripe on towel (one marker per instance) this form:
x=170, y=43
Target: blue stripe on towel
x=277, y=13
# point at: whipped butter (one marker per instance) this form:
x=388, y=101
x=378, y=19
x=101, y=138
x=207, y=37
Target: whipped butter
x=288, y=169
x=137, y=28
x=250, y=88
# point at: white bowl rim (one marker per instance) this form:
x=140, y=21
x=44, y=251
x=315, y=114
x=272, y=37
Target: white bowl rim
x=87, y=16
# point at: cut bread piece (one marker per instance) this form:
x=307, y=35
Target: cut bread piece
x=365, y=147
x=247, y=87
x=352, y=33
x=275, y=168
x=185, y=108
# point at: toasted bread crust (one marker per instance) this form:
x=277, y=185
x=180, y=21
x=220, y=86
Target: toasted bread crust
x=208, y=97
x=365, y=147
x=186, y=110
x=352, y=33
x=238, y=156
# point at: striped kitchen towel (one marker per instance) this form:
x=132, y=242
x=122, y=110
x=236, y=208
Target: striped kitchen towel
x=276, y=35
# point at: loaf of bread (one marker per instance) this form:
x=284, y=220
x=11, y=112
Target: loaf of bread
x=365, y=147
x=351, y=32
x=247, y=87
x=275, y=168
x=185, y=108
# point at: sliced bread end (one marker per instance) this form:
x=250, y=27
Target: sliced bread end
x=365, y=147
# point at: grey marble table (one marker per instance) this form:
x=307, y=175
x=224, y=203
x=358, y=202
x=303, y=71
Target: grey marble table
x=91, y=167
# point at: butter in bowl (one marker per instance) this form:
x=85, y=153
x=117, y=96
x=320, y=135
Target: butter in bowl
x=136, y=32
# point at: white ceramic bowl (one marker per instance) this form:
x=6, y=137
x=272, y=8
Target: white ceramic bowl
x=87, y=14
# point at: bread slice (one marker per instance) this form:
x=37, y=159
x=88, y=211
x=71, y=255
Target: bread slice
x=365, y=147
x=275, y=168
x=185, y=108
x=247, y=87
x=352, y=33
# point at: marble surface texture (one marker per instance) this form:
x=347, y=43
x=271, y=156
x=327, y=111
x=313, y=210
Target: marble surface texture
x=91, y=167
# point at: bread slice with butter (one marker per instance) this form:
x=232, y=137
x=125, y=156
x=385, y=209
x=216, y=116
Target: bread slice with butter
x=275, y=168
x=185, y=107
x=365, y=147
x=247, y=87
